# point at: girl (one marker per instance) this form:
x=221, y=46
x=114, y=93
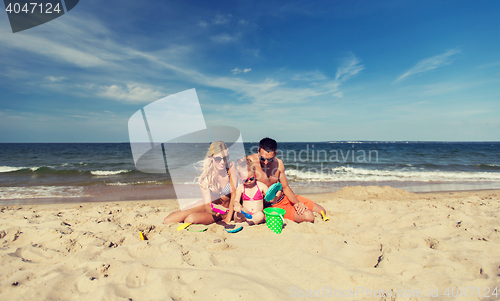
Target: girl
x=251, y=193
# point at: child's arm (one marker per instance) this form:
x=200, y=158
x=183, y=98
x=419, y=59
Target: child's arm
x=263, y=188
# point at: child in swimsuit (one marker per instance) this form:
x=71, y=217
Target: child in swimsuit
x=251, y=194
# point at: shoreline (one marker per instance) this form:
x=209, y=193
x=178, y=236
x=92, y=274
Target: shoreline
x=367, y=190
x=160, y=192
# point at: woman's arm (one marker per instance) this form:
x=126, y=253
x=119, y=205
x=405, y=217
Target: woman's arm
x=237, y=198
x=233, y=183
x=207, y=200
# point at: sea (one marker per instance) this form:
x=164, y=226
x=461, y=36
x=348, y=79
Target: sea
x=32, y=173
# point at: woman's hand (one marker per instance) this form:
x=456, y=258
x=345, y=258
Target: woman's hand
x=219, y=209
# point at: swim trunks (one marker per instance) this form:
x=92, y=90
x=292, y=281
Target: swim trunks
x=288, y=206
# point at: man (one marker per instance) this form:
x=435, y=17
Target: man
x=269, y=170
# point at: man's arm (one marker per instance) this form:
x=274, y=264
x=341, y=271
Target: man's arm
x=299, y=207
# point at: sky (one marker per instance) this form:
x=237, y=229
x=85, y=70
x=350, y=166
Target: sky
x=290, y=70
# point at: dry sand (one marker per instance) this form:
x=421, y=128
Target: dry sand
x=378, y=238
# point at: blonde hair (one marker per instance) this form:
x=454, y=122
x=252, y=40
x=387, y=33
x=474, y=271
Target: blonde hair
x=244, y=165
x=208, y=177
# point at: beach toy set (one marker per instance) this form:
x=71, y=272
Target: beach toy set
x=192, y=228
x=275, y=219
x=247, y=215
x=217, y=210
x=272, y=191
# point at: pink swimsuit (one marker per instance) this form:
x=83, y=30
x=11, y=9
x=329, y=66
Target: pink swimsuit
x=257, y=197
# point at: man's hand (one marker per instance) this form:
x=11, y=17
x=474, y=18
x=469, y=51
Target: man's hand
x=300, y=208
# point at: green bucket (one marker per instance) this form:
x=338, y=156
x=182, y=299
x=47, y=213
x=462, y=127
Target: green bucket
x=274, y=219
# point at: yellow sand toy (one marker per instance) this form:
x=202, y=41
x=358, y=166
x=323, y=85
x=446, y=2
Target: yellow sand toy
x=183, y=226
x=192, y=228
x=325, y=218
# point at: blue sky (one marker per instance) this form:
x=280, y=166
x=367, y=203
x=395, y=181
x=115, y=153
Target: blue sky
x=291, y=70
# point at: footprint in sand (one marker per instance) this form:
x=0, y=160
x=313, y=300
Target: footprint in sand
x=432, y=243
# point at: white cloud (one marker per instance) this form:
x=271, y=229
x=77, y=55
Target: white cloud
x=55, y=78
x=221, y=19
x=224, y=38
x=310, y=76
x=218, y=20
x=238, y=70
x=350, y=68
x=131, y=93
x=52, y=49
x=488, y=65
x=118, y=62
x=430, y=64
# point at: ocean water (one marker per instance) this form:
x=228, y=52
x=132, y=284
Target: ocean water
x=36, y=172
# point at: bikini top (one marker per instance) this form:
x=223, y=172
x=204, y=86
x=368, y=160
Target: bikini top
x=257, y=196
x=225, y=191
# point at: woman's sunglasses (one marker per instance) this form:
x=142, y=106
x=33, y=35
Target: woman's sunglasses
x=218, y=159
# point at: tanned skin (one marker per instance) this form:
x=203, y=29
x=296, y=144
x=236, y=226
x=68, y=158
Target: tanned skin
x=270, y=172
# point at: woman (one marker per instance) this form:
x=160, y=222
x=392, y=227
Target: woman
x=216, y=184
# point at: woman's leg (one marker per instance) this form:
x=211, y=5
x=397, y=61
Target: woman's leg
x=204, y=218
x=180, y=216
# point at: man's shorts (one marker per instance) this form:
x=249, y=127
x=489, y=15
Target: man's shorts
x=288, y=206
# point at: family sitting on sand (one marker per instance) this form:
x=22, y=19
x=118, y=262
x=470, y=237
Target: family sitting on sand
x=223, y=202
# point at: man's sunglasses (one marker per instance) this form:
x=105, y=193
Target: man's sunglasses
x=264, y=159
x=218, y=159
x=249, y=179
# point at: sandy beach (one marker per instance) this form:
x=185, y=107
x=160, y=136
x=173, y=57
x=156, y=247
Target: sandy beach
x=380, y=243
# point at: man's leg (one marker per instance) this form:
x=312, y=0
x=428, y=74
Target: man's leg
x=311, y=205
x=318, y=208
x=307, y=216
